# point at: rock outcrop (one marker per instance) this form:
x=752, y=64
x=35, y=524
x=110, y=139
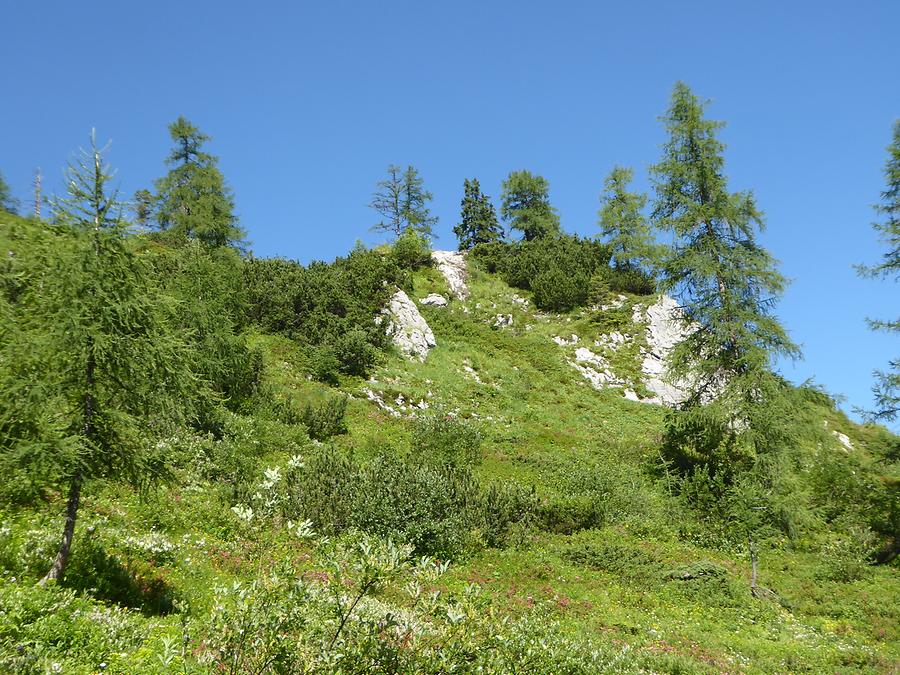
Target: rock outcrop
x=665, y=329
x=407, y=328
x=452, y=264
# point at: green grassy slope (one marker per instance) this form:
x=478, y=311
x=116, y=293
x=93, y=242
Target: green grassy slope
x=645, y=580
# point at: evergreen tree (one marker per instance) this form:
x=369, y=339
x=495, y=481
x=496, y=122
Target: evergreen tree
x=144, y=206
x=526, y=205
x=193, y=201
x=623, y=224
x=726, y=282
x=8, y=203
x=90, y=367
x=402, y=201
x=478, y=219
x=887, y=386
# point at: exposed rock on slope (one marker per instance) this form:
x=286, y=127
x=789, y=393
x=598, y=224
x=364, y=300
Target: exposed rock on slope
x=434, y=300
x=452, y=264
x=407, y=328
x=665, y=329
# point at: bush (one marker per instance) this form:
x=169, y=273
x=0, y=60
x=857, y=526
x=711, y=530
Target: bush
x=557, y=269
x=630, y=281
x=847, y=557
x=325, y=418
x=411, y=251
x=558, y=291
x=444, y=439
x=324, y=365
x=354, y=353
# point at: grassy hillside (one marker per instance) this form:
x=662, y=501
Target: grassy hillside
x=601, y=561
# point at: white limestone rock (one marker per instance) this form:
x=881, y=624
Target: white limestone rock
x=452, y=264
x=434, y=300
x=665, y=329
x=407, y=328
x=503, y=320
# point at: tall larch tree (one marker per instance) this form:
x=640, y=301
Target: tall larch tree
x=526, y=205
x=887, y=382
x=112, y=372
x=192, y=200
x=624, y=225
x=727, y=285
x=402, y=201
x=478, y=219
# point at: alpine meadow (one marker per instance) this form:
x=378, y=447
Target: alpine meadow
x=523, y=451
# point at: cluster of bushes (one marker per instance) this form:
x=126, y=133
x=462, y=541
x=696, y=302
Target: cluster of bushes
x=329, y=307
x=438, y=509
x=562, y=272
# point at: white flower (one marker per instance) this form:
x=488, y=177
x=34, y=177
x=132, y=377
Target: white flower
x=243, y=512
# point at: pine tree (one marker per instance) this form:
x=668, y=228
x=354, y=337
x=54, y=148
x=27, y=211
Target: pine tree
x=887, y=385
x=478, y=219
x=726, y=282
x=622, y=222
x=402, y=202
x=526, y=205
x=90, y=366
x=193, y=201
x=8, y=203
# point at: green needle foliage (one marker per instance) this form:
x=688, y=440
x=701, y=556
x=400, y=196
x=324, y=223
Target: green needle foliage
x=8, y=203
x=402, y=202
x=526, y=205
x=622, y=222
x=887, y=386
x=725, y=281
x=90, y=367
x=478, y=219
x=193, y=201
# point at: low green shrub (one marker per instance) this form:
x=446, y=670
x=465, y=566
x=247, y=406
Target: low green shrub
x=445, y=439
x=411, y=250
x=325, y=418
x=354, y=353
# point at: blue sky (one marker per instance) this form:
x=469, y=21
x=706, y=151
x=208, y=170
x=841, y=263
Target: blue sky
x=308, y=103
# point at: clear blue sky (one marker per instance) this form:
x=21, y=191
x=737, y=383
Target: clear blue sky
x=308, y=102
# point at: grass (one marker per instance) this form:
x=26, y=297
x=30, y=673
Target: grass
x=617, y=582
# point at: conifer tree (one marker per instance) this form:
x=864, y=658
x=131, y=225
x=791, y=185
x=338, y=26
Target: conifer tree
x=111, y=371
x=402, y=202
x=144, y=206
x=622, y=222
x=8, y=203
x=478, y=219
x=526, y=205
x=887, y=385
x=193, y=201
x=726, y=282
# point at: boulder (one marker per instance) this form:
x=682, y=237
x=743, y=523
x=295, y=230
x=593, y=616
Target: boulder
x=407, y=328
x=434, y=300
x=452, y=264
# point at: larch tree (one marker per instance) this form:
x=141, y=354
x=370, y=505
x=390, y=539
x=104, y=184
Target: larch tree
x=478, y=219
x=402, y=201
x=112, y=371
x=887, y=382
x=727, y=285
x=192, y=200
x=526, y=205
x=623, y=224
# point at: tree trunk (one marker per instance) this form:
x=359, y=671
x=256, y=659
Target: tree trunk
x=62, y=557
x=753, y=589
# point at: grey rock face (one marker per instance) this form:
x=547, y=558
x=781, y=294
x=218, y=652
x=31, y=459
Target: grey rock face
x=452, y=264
x=407, y=328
